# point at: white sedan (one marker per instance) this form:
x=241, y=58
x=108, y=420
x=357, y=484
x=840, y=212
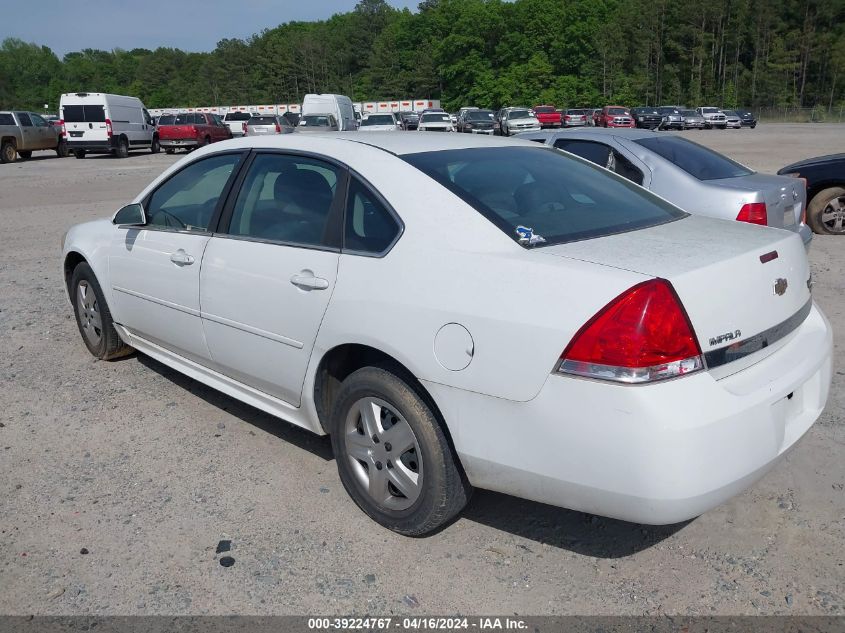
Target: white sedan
x=460, y=311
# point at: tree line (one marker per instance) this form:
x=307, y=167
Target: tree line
x=486, y=53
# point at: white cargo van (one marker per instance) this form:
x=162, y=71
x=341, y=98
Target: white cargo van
x=338, y=105
x=101, y=123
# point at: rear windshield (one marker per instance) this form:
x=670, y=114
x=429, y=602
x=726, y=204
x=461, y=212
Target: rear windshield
x=315, y=120
x=479, y=115
x=237, y=116
x=435, y=116
x=559, y=197
x=166, y=119
x=262, y=120
x=698, y=161
x=84, y=114
x=378, y=119
x=617, y=111
x=6, y=118
x=576, y=112
x=544, y=109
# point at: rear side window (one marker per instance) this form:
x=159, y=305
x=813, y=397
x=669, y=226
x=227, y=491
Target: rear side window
x=562, y=199
x=369, y=226
x=166, y=119
x=6, y=118
x=23, y=117
x=198, y=119
x=603, y=156
x=286, y=199
x=187, y=200
x=84, y=114
x=698, y=161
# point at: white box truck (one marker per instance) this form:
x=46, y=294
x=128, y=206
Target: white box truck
x=100, y=123
x=338, y=105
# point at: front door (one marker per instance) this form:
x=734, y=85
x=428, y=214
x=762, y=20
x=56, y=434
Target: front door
x=267, y=278
x=155, y=269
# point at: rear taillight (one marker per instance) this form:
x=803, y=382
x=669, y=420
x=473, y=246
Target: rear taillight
x=63, y=129
x=243, y=126
x=108, y=128
x=753, y=213
x=278, y=129
x=643, y=335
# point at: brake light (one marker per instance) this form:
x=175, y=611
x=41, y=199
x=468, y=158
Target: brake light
x=753, y=213
x=63, y=128
x=643, y=335
x=243, y=127
x=278, y=128
x=108, y=128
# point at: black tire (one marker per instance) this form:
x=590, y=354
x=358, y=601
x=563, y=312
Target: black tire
x=442, y=491
x=155, y=148
x=25, y=154
x=122, y=150
x=821, y=201
x=79, y=153
x=753, y=125
x=103, y=342
x=61, y=149
x=169, y=150
x=8, y=153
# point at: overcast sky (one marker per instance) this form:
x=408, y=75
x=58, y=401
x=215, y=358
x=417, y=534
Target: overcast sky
x=192, y=25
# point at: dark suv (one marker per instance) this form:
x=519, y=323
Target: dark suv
x=747, y=118
x=408, y=120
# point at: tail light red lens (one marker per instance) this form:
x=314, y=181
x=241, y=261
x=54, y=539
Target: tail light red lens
x=243, y=126
x=643, y=335
x=278, y=129
x=63, y=128
x=109, y=131
x=753, y=213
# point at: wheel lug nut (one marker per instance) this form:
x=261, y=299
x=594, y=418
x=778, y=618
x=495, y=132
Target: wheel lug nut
x=387, y=446
x=378, y=466
x=375, y=439
x=389, y=464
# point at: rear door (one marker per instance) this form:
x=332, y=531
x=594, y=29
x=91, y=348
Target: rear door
x=29, y=134
x=267, y=277
x=85, y=122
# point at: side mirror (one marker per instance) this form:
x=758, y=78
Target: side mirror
x=130, y=215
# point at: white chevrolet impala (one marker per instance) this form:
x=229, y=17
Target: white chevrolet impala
x=460, y=311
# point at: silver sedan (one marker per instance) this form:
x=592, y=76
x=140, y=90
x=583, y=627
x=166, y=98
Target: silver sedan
x=691, y=176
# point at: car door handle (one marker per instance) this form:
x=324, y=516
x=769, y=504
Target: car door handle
x=181, y=258
x=307, y=281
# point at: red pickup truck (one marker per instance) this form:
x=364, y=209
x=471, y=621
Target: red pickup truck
x=190, y=130
x=615, y=116
x=547, y=115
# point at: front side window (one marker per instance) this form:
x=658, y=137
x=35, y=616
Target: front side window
x=286, y=199
x=561, y=198
x=37, y=121
x=369, y=226
x=187, y=200
x=698, y=161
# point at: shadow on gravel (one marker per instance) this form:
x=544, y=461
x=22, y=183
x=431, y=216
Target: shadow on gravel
x=577, y=532
x=318, y=445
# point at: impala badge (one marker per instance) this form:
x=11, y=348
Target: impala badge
x=780, y=286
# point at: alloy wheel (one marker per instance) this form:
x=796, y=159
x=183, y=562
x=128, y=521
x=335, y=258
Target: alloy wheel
x=833, y=215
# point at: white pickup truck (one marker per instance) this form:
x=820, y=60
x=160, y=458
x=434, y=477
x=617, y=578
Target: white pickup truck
x=22, y=133
x=235, y=122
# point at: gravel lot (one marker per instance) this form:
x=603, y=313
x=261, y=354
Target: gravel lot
x=147, y=470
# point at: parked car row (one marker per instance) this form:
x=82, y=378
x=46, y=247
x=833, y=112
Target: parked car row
x=672, y=118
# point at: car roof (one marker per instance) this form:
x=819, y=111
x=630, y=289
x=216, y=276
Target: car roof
x=398, y=143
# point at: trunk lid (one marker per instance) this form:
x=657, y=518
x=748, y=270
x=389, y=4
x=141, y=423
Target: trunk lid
x=715, y=266
x=785, y=197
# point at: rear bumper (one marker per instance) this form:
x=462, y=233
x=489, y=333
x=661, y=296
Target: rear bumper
x=672, y=125
x=656, y=454
x=178, y=142
x=106, y=145
x=550, y=124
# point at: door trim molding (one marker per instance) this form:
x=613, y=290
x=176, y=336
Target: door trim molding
x=162, y=302
x=278, y=338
